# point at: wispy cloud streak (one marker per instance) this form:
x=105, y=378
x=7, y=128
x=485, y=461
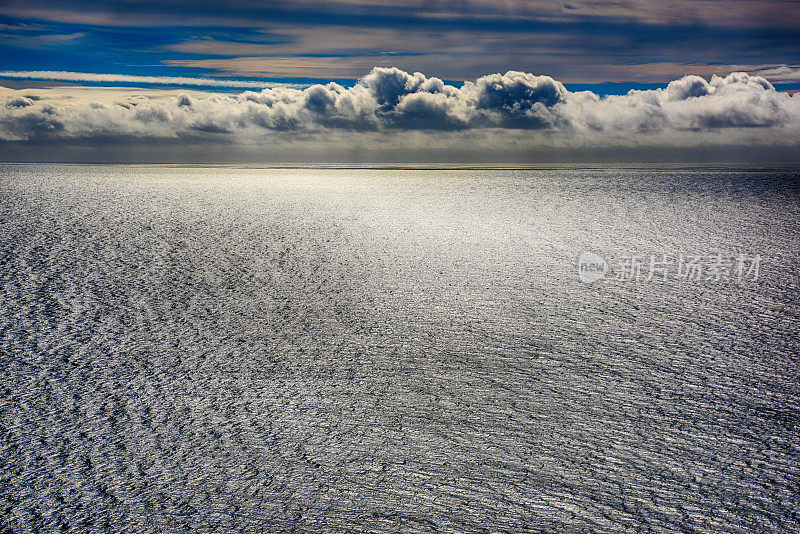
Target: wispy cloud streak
x=91, y=77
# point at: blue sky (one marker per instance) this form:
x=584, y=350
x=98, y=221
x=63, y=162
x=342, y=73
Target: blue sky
x=609, y=47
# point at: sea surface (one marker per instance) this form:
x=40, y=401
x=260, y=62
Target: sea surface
x=329, y=349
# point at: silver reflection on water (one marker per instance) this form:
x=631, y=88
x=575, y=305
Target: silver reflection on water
x=377, y=350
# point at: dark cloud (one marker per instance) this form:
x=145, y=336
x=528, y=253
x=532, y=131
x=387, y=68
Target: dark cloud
x=521, y=99
x=332, y=105
x=19, y=102
x=341, y=39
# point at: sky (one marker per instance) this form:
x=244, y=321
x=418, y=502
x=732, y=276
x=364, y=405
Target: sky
x=394, y=80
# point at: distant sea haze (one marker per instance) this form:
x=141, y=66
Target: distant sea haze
x=324, y=349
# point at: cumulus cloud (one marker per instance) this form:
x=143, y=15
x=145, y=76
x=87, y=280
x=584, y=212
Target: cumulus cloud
x=517, y=107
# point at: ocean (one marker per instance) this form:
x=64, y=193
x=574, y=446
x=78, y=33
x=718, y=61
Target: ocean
x=399, y=349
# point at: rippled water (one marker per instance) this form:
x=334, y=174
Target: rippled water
x=399, y=350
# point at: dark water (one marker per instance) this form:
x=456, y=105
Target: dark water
x=335, y=350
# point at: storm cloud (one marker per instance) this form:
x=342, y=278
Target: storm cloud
x=518, y=106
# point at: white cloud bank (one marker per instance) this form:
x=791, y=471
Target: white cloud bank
x=513, y=110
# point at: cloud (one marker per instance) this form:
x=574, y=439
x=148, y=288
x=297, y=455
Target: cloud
x=42, y=41
x=594, y=42
x=125, y=78
x=759, y=13
x=780, y=73
x=513, y=110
